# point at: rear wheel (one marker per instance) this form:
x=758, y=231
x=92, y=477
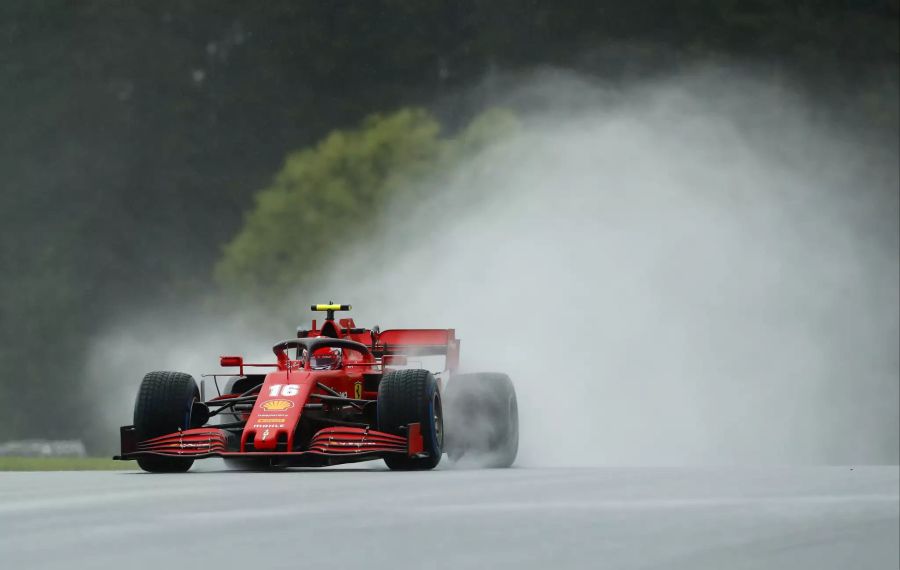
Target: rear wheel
x=163, y=406
x=482, y=419
x=412, y=396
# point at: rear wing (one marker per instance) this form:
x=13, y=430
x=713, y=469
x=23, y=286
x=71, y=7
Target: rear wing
x=419, y=342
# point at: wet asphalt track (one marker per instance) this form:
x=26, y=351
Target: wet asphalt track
x=722, y=518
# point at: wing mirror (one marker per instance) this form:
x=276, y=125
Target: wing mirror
x=226, y=361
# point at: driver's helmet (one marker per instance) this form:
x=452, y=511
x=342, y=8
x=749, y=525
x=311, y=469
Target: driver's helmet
x=326, y=359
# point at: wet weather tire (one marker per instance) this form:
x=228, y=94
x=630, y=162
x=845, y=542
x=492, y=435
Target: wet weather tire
x=482, y=419
x=412, y=396
x=163, y=406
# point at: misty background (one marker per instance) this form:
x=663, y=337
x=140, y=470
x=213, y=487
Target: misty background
x=674, y=225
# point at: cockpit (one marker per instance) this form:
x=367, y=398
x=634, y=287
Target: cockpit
x=327, y=358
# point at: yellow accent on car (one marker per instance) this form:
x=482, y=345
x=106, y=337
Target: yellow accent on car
x=332, y=307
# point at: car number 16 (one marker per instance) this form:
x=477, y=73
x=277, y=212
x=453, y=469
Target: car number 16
x=283, y=390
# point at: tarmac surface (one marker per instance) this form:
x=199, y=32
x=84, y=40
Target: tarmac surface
x=622, y=518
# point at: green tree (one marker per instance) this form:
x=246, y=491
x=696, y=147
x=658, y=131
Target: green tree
x=333, y=193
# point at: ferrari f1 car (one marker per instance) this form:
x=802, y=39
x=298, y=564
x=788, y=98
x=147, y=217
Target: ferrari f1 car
x=335, y=394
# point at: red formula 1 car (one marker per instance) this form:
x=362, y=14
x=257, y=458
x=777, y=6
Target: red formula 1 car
x=335, y=394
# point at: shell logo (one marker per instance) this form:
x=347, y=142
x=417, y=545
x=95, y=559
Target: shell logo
x=277, y=405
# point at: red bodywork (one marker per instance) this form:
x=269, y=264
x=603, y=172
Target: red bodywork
x=296, y=415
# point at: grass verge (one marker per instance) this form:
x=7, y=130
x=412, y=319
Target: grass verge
x=63, y=464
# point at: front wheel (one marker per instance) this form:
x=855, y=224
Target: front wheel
x=406, y=397
x=163, y=406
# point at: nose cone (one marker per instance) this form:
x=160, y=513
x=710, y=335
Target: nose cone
x=277, y=411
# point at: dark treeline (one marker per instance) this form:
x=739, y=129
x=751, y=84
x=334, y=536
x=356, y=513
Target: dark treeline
x=134, y=134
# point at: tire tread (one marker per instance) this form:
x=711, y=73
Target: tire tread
x=161, y=408
x=404, y=397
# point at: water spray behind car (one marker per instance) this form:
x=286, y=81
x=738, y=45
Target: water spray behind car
x=695, y=270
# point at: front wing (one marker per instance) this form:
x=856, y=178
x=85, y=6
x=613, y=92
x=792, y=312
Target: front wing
x=328, y=446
